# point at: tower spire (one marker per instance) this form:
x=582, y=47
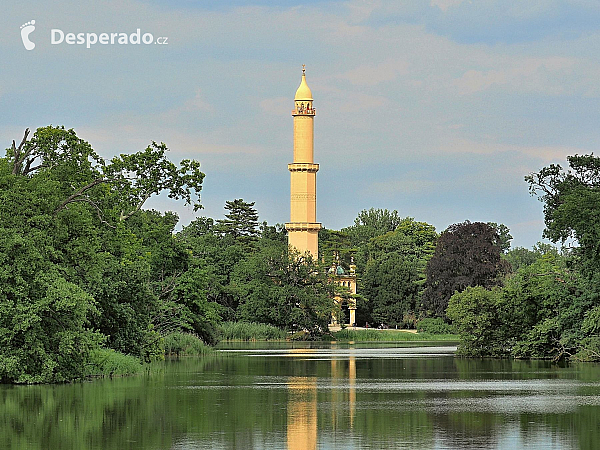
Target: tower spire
x=303, y=228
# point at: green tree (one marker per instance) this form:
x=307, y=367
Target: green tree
x=589, y=346
x=372, y=223
x=537, y=314
x=504, y=236
x=282, y=288
x=571, y=203
x=45, y=333
x=477, y=314
x=275, y=232
x=389, y=284
x=217, y=255
x=201, y=315
x=82, y=261
x=547, y=308
x=395, y=271
x=335, y=248
x=519, y=257
x=241, y=222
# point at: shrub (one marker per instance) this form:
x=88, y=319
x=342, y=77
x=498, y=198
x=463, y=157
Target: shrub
x=389, y=336
x=435, y=326
x=108, y=362
x=250, y=331
x=184, y=344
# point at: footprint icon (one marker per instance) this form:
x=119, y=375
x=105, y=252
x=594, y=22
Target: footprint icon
x=26, y=30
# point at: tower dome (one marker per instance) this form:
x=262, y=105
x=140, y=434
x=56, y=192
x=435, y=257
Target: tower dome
x=303, y=92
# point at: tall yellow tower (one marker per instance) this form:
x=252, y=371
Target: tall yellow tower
x=303, y=229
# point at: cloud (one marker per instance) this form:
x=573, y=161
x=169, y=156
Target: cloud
x=444, y=5
x=424, y=99
x=543, y=154
x=404, y=184
x=361, y=103
x=277, y=105
x=374, y=74
x=197, y=103
x=540, y=75
x=493, y=22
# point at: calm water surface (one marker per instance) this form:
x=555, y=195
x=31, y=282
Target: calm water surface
x=307, y=396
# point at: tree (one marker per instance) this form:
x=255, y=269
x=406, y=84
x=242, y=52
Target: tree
x=476, y=313
x=371, y=223
x=537, y=313
x=120, y=186
x=466, y=254
x=241, y=222
x=45, y=333
x=83, y=264
x=504, y=236
x=520, y=257
x=571, y=203
x=282, y=288
x=395, y=271
x=217, y=255
x=335, y=248
x=389, y=285
x=275, y=232
x=201, y=315
x=589, y=346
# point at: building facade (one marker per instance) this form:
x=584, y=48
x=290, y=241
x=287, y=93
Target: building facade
x=345, y=298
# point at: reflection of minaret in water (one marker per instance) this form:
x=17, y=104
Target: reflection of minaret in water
x=303, y=229
x=302, y=414
x=339, y=375
x=352, y=389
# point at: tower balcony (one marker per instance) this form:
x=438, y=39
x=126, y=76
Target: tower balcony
x=303, y=167
x=303, y=112
x=303, y=226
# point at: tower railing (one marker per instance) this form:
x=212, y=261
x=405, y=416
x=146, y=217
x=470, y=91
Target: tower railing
x=303, y=112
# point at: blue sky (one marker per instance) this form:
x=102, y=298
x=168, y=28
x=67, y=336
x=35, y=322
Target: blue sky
x=435, y=108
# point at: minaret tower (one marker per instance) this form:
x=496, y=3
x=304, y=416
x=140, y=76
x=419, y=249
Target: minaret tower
x=303, y=229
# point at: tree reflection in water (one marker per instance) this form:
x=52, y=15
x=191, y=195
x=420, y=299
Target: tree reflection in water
x=314, y=396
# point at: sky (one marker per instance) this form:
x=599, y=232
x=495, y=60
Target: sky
x=437, y=109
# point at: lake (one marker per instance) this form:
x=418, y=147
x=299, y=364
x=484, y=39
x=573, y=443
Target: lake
x=315, y=395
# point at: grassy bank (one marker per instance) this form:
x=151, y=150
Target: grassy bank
x=106, y=362
x=245, y=331
x=185, y=344
x=389, y=336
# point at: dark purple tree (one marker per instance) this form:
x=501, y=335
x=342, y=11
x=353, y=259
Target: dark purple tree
x=466, y=254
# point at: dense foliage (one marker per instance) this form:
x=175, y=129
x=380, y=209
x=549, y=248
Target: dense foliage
x=395, y=272
x=90, y=281
x=550, y=306
x=88, y=274
x=466, y=254
x=77, y=273
x=538, y=313
x=370, y=224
